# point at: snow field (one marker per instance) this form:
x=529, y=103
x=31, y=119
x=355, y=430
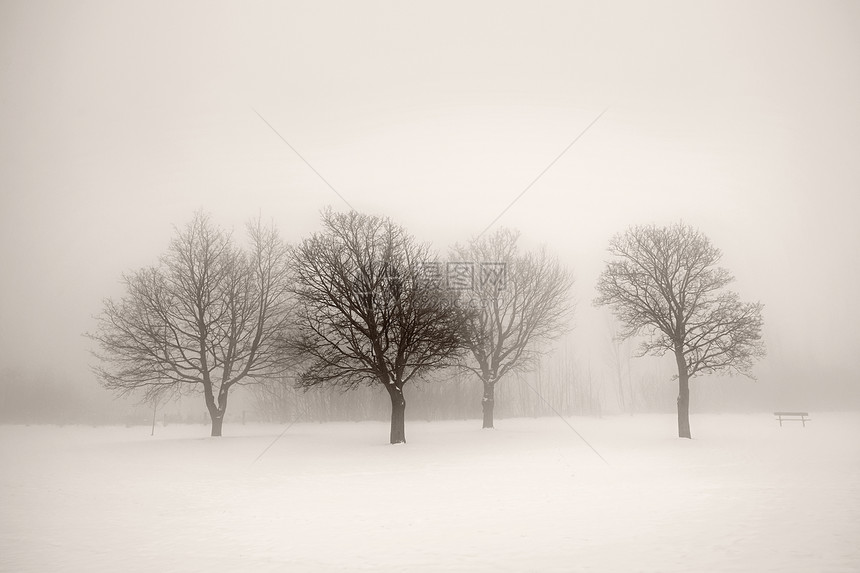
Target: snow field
x=743, y=495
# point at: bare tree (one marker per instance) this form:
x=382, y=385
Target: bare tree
x=520, y=301
x=367, y=311
x=664, y=283
x=206, y=318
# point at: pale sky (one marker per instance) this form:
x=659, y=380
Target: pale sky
x=118, y=120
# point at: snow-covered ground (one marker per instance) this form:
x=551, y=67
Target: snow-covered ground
x=744, y=495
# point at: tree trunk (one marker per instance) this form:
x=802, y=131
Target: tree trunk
x=217, y=422
x=488, y=402
x=398, y=414
x=683, y=398
x=217, y=411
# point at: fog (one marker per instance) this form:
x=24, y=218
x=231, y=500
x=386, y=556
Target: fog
x=118, y=121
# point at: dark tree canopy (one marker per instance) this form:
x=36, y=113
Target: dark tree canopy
x=206, y=318
x=520, y=301
x=367, y=313
x=664, y=283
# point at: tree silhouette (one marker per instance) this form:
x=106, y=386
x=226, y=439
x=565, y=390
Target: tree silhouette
x=206, y=318
x=664, y=283
x=367, y=313
x=520, y=302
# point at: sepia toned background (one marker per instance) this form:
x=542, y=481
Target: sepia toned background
x=119, y=120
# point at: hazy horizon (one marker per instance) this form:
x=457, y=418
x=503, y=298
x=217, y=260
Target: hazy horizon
x=118, y=121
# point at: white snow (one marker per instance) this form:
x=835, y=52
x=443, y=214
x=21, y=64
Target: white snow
x=744, y=495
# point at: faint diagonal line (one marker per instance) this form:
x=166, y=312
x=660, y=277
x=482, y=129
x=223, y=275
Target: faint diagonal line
x=569, y=425
x=279, y=436
x=303, y=159
x=547, y=168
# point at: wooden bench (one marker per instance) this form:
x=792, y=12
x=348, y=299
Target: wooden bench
x=793, y=417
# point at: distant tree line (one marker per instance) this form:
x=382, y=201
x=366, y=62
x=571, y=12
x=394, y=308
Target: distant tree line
x=327, y=329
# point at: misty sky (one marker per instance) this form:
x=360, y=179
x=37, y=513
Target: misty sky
x=118, y=120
